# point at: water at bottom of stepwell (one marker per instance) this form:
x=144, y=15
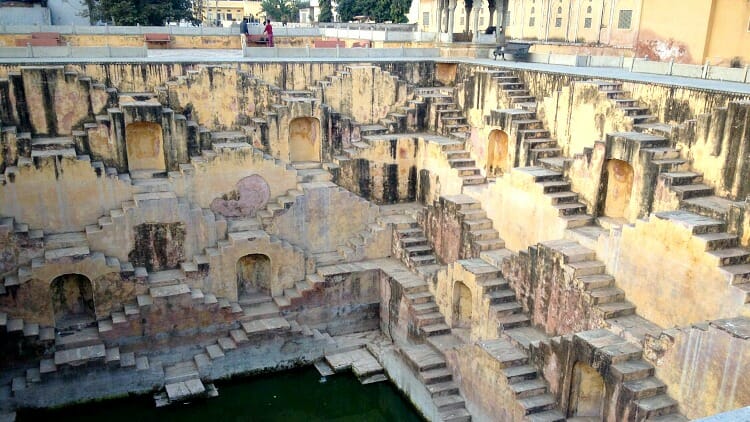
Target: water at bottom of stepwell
x=296, y=395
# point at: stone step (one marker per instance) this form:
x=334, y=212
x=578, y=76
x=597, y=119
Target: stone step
x=555, y=186
x=596, y=281
x=180, y=371
x=506, y=309
x=697, y=224
x=436, y=329
x=420, y=260
x=645, y=387
x=443, y=389
x=429, y=318
x=604, y=295
x=476, y=179
x=425, y=307
x=730, y=256
x=455, y=415
x=536, y=404
x=513, y=321
x=631, y=370
x=65, y=240
x=570, y=208
x=489, y=244
x=529, y=388
x=547, y=416
x=449, y=402
x=413, y=251
x=519, y=373
x=436, y=376
x=165, y=278
x=501, y=296
x=692, y=191
x=656, y=406
x=585, y=268
x=681, y=178
x=736, y=274
x=617, y=309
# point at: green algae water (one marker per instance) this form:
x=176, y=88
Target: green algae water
x=290, y=396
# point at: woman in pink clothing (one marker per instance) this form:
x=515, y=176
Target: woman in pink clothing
x=269, y=30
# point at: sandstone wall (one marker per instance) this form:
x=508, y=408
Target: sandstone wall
x=703, y=364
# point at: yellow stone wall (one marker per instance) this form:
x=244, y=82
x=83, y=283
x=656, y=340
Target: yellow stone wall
x=662, y=268
x=703, y=366
x=520, y=211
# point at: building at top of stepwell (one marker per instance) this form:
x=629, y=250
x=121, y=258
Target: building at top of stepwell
x=502, y=241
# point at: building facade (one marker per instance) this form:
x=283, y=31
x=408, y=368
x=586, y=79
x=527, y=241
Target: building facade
x=717, y=31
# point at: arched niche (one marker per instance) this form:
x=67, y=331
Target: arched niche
x=145, y=147
x=72, y=301
x=619, y=177
x=304, y=139
x=253, y=275
x=586, y=393
x=497, y=153
x=462, y=306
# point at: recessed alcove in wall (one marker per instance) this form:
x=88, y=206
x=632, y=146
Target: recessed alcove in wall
x=618, y=178
x=72, y=300
x=304, y=139
x=253, y=275
x=446, y=72
x=145, y=146
x=461, y=305
x=586, y=393
x=497, y=153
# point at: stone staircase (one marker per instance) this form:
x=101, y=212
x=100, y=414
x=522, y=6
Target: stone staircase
x=431, y=369
x=606, y=300
x=500, y=297
x=73, y=349
x=413, y=247
x=645, y=395
x=553, y=184
x=722, y=247
x=630, y=107
x=530, y=389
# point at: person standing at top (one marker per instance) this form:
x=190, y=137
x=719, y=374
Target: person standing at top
x=243, y=29
x=269, y=32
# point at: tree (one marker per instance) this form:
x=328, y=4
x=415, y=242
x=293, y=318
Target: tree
x=398, y=11
x=325, y=11
x=282, y=10
x=140, y=12
x=377, y=10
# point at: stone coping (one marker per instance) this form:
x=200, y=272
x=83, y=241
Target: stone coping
x=236, y=55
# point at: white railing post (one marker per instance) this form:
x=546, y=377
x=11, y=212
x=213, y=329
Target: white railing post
x=671, y=66
x=704, y=74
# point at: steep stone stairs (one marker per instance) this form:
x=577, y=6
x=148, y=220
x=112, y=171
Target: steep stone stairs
x=529, y=388
x=431, y=369
x=637, y=114
x=722, y=247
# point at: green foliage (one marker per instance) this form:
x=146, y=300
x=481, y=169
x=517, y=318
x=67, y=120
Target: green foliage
x=282, y=10
x=141, y=12
x=377, y=10
x=325, y=11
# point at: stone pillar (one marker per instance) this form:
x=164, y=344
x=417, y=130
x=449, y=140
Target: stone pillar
x=502, y=9
x=451, y=13
x=475, y=24
x=439, y=18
